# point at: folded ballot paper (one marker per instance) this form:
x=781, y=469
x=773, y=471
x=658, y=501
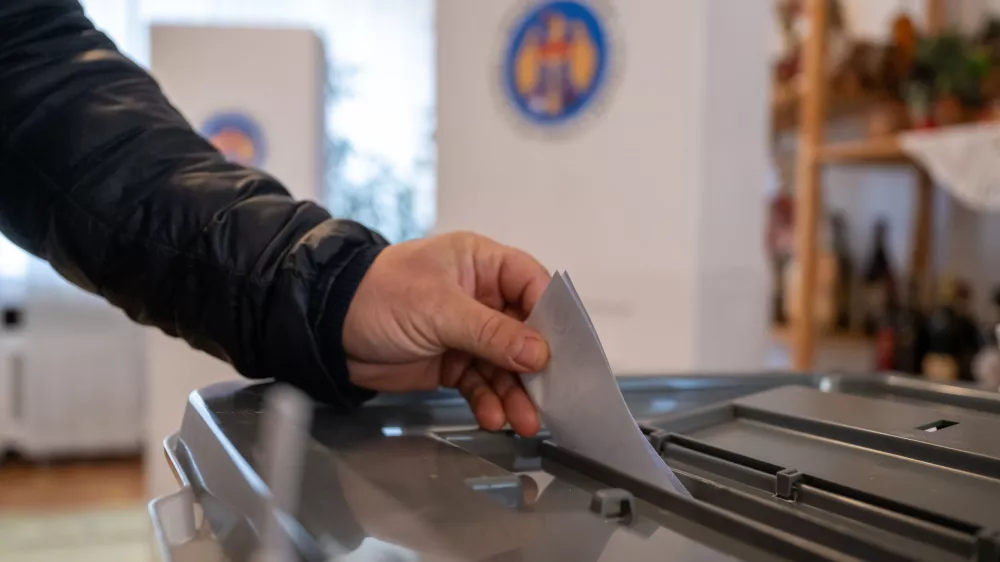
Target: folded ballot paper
x=578, y=397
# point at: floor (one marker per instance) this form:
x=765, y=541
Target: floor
x=81, y=511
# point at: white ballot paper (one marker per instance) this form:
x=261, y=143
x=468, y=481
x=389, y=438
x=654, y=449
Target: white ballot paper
x=578, y=397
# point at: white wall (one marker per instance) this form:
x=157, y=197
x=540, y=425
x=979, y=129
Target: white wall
x=653, y=203
x=733, y=282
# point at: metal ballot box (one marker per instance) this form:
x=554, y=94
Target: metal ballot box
x=779, y=468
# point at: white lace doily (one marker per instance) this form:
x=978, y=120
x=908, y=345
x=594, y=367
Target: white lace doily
x=964, y=160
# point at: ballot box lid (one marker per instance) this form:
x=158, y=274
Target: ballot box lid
x=779, y=467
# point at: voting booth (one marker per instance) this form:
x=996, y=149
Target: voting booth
x=604, y=137
x=258, y=95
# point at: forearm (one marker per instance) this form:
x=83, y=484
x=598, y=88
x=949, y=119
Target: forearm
x=100, y=176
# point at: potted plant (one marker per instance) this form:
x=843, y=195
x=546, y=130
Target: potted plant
x=952, y=69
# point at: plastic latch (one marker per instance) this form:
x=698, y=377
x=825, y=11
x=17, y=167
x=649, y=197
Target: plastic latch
x=528, y=446
x=504, y=490
x=987, y=546
x=613, y=503
x=658, y=439
x=785, y=483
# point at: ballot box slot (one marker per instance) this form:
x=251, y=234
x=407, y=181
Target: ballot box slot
x=825, y=500
x=775, y=526
x=965, y=461
x=889, y=427
x=667, y=439
x=692, y=510
x=868, y=473
x=782, y=498
x=709, y=469
x=861, y=449
x=719, y=462
x=853, y=538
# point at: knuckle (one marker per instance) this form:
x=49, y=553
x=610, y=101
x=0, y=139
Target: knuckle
x=490, y=329
x=503, y=384
x=466, y=383
x=465, y=242
x=479, y=392
x=464, y=235
x=471, y=387
x=486, y=370
x=454, y=237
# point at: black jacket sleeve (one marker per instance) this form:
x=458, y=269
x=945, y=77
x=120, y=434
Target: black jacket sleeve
x=103, y=178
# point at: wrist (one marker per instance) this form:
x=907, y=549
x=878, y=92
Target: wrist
x=339, y=296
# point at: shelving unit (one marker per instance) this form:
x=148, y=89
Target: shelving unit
x=785, y=108
x=784, y=336
x=877, y=151
x=815, y=109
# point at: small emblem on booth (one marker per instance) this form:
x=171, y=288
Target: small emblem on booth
x=556, y=61
x=237, y=136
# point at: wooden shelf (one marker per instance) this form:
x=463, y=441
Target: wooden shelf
x=815, y=110
x=885, y=150
x=785, y=108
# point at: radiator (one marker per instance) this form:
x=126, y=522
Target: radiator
x=70, y=376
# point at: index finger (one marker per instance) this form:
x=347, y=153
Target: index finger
x=522, y=278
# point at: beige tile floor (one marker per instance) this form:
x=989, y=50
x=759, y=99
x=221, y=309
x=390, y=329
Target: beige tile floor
x=82, y=511
x=118, y=534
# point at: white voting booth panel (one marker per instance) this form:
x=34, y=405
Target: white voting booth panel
x=259, y=94
x=651, y=192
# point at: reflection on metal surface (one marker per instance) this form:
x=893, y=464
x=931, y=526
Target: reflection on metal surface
x=287, y=417
x=392, y=431
x=507, y=491
x=371, y=550
x=662, y=406
x=825, y=385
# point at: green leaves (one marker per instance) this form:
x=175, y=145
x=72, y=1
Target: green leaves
x=950, y=64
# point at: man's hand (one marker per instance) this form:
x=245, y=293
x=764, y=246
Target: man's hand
x=448, y=311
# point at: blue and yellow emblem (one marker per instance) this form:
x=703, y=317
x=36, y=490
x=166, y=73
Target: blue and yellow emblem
x=557, y=61
x=238, y=137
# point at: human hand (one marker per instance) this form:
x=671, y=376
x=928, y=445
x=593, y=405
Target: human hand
x=448, y=311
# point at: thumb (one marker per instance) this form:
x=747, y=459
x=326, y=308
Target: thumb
x=491, y=335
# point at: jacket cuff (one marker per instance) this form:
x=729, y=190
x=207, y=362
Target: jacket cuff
x=339, y=298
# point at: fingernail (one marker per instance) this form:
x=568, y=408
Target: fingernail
x=532, y=354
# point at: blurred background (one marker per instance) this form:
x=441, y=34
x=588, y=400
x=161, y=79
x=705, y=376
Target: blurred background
x=342, y=93
x=736, y=186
